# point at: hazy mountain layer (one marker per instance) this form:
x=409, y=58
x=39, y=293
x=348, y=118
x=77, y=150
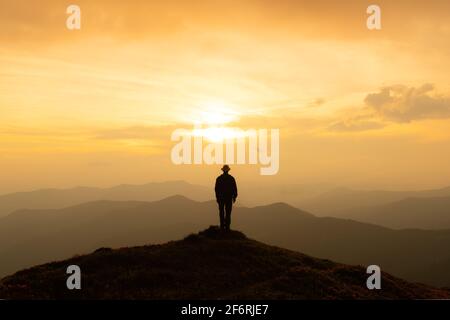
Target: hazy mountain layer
x=31, y=237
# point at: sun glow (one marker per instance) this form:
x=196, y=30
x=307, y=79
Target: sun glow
x=211, y=121
x=219, y=134
x=215, y=113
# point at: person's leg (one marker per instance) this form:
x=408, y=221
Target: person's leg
x=228, y=209
x=222, y=214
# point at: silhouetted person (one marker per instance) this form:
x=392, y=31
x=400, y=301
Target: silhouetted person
x=226, y=194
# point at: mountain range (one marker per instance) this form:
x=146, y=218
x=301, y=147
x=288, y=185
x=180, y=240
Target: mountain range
x=59, y=198
x=418, y=213
x=426, y=209
x=30, y=237
x=338, y=201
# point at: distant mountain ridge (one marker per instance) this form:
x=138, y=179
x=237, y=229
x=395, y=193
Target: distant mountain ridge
x=59, y=198
x=360, y=205
x=207, y=265
x=337, y=201
x=418, y=213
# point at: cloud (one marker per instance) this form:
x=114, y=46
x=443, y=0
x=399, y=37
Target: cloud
x=317, y=102
x=395, y=104
x=404, y=104
x=354, y=125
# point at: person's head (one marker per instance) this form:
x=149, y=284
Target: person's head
x=226, y=168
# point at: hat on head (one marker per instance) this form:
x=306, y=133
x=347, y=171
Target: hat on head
x=226, y=168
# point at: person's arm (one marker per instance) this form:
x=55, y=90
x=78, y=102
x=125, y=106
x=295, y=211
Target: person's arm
x=235, y=192
x=216, y=189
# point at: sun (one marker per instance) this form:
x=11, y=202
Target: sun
x=212, y=121
x=213, y=113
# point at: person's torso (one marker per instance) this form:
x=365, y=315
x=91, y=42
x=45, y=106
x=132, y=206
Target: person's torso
x=226, y=185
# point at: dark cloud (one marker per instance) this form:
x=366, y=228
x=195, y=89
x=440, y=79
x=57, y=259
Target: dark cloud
x=404, y=104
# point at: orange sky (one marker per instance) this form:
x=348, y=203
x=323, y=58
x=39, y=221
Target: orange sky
x=97, y=106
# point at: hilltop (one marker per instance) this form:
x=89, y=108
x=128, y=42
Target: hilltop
x=207, y=265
